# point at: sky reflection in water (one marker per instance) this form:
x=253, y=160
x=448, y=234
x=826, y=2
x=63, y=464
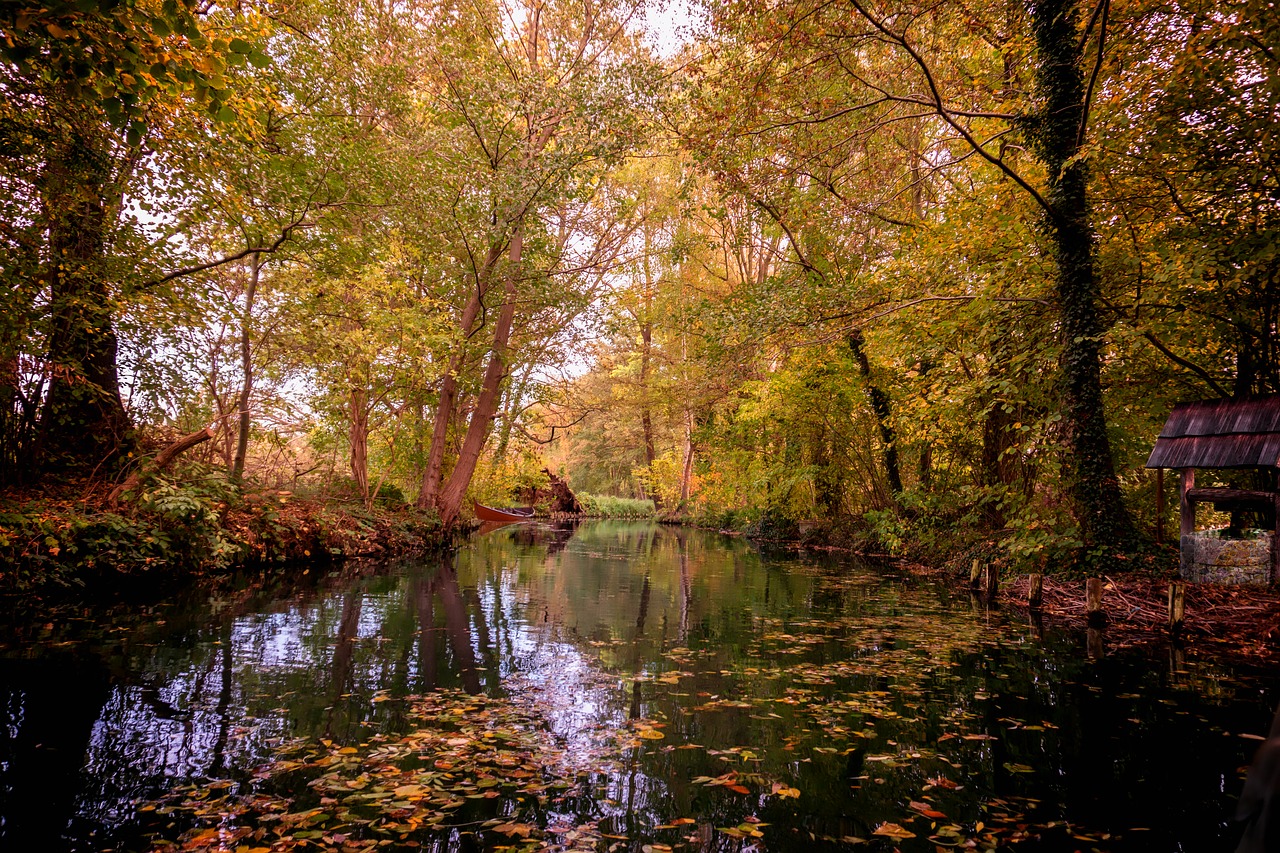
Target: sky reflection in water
x=883, y=700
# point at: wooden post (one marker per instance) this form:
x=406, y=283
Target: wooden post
x=1094, y=643
x=1186, y=508
x=993, y=582
x=1177, y=606
x=1159, y=506
x=975, y=572
x=1093, y=595
x=1035, y=592
x=1275, y=538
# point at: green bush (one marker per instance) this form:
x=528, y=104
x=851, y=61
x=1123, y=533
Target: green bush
x=607, y=506
x=773, y=525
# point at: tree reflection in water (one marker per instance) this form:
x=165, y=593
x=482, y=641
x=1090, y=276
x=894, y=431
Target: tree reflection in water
x=862, y=693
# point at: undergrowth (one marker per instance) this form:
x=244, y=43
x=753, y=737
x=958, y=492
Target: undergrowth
x=607, y=506
x=194, y=522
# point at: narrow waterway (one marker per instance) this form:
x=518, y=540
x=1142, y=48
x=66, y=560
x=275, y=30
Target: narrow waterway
x=789, y=702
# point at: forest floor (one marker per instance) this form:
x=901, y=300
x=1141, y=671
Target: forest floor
x=71, y=536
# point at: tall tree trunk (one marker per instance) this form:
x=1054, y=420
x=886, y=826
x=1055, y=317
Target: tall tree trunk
x=246, y=366
x=1059, y=133
x=686, y=473
x=880, y=406
x=84, y=422
x=515, y=393
x=646, y=416
x=433, y=474
x=358, y=435
x=450, y=500
x=924, y=466
x=646, y=352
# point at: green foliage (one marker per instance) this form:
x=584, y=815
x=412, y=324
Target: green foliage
x=608, y=506
x=176, y=527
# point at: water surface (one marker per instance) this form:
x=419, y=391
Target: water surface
x=816, y=700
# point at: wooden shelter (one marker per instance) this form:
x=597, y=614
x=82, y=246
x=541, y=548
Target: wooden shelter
x=1242, y=434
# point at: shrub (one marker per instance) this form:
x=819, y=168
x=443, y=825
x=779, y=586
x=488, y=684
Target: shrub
x=607, y=506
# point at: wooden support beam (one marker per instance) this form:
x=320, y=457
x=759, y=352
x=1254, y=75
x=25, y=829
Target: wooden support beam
x=1159, y=506
x=1035, y=592
x=1186, y=507
x=1275, y=539
x=1093, y=597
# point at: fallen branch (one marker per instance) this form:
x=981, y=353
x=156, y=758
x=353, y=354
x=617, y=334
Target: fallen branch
x=163, y=460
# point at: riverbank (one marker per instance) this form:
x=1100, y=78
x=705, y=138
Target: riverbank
x=73, y=537
x=1221, y=620
x=1231, y=621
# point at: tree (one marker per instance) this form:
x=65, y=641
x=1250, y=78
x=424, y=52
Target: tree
x=533, y=115
x=84, y=89
x=901, y=64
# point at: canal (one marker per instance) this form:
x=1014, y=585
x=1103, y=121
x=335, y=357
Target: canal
x=618, y=685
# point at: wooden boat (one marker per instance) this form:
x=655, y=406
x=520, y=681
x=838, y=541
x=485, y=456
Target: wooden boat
x=488, y=513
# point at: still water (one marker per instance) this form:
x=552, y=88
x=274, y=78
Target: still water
x=789, y=703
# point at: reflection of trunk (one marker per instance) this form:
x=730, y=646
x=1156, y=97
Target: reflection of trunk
x=223, y=711
x=686, y=593
x=358, y=419
x=49, y=725
x=459, y=630
x=880, y=406
x=450, y=500
x=425, y=600
x=645, y=589
x=344, y=650
x=488, y=653
x=246, y=366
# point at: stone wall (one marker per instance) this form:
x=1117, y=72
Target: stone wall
x=1208, y=558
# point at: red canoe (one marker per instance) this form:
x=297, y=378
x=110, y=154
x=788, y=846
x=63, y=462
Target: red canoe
x=488, y=513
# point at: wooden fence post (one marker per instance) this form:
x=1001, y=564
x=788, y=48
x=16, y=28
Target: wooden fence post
x=1035, y=592
x=1177, y=606
x=992, y=581
x=975, y=572
x=1093, y=597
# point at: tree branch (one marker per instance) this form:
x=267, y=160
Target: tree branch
x=285, y=234
x=949, y=117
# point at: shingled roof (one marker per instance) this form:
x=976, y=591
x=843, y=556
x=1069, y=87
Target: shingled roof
x=1242, y=433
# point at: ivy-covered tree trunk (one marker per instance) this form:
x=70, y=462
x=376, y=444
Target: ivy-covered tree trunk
x=884, y=415
x=1058, y=133
x=83, y=423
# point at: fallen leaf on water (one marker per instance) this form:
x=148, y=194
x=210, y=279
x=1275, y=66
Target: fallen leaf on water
x=893, y=830
x=926, y=810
